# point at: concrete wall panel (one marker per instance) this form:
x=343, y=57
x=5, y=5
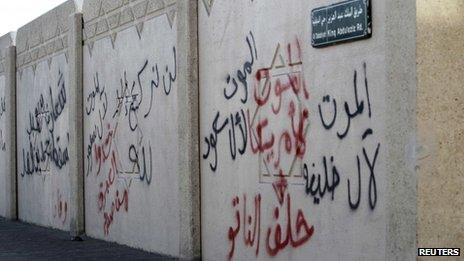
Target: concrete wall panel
x=305, y=153
x=45, y=145
x=295, y=141
x=131, y=136
x=7, y=126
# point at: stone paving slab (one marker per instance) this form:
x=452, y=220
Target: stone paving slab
x=22, y=241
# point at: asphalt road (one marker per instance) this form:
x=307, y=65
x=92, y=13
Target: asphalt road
x=21, y=241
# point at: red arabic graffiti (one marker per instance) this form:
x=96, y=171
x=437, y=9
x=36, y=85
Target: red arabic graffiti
x=294, y=232
x=60, y=208
x=118, y=202
x=103, y=150
x=278, y=125
x=110, y=200
x=277, y=130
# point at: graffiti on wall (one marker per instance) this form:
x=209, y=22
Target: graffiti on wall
x=276, y=127
x=284, y=232
x=279, y=124
x=318, y=185
x=118, y=151
x=277, y=132
x=2, y=116
x=60, y=207
x=270, y=120
x=235, y=123
x=44, y=145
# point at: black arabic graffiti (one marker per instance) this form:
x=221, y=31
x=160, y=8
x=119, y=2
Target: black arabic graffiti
x=131, y=94
x=328, y=113
x=359, y=105
x=2, y=112
x=242, y=74
x=44, y=145
x=131, y=99
x=141, y=168
x=96, y=99
x=317, y=190
x=235, y=121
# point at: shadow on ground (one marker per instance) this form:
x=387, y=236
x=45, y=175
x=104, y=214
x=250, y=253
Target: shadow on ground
x=21, y=241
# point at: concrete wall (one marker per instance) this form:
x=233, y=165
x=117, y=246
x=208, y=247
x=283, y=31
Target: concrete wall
x=281, y=156
x=7, y=126
x=46, y=136
x=440, y=57
x=135, y=95
x=304, y=153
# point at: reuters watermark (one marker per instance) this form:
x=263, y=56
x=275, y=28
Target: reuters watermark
x=439, y=252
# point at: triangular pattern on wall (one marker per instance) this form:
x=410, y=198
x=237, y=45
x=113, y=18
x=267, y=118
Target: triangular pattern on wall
x=49, y=62
x=108, y=23
x=208, y=5
x=90, y=47
x=171, y=14
x=139, y=28
x=113, y=37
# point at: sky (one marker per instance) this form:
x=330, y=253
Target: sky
x=16, y=13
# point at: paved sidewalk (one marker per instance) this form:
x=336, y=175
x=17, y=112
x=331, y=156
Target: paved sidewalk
x=21, y=241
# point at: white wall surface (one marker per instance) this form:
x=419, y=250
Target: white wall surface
x=130, y=100
x=7, y=138
x=4, y=171
x=270, y=124
x=43, y=109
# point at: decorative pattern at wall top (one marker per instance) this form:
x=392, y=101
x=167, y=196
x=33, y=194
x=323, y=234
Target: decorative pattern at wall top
x=44, y=38
x=208, y=5
x=5, y=42
x=106, y=18
x=44, y=50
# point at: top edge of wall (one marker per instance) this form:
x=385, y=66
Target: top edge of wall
x=7, y=40
x=95, y=8
x=105, y=17
x=46, y=27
